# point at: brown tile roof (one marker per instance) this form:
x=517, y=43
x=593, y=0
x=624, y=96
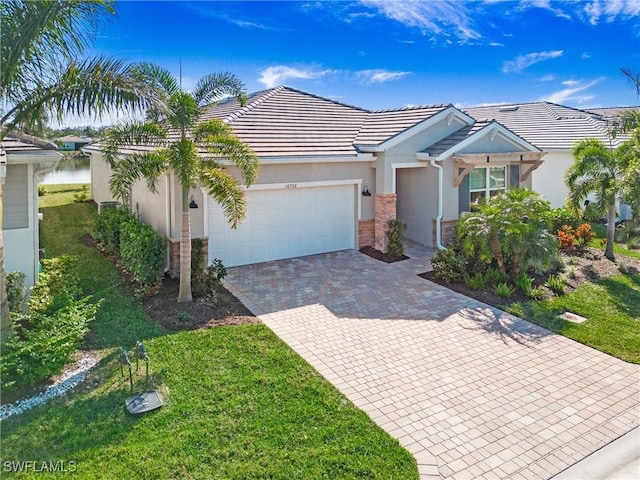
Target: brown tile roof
x=546, y=125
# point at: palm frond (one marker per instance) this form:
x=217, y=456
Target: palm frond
x=633, y=76
x=215, y=86
x=130, y=169
x=122, y=136
x=227, y=191
x=92, y=87
x=184, y=160
x=221, y=142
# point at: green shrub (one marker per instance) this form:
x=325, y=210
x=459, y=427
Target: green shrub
x=395, y=246
x=503, y=290
x=559, y=217
x=524, y=283
x=82, y=195
x=42, y=190
x=628, y=232
x=537, y=293
x=448, y=265
x=43, y=349
x=16, y=291
x=57, y=287
x=212, y=277
x=494, y=276
x=477, y=282
x=571, y=271
x=143, y=252
x=557, y=284
x=108, y=225
x=592, y=213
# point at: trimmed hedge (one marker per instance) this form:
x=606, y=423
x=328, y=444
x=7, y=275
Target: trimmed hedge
x=107, y=227
x=143, y=252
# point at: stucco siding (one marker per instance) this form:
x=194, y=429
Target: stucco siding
x=548, y=179
x=20, y=253
x=417, y=202
x=100, y=175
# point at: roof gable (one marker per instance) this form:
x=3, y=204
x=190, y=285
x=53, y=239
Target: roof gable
x=470, y=134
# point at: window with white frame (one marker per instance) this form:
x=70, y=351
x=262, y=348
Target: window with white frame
x=485, y=182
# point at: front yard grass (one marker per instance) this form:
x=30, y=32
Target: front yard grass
x=239, y=403
x=612, y=307
x=618, y=248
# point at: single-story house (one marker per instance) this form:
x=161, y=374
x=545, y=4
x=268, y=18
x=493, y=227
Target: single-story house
x=72, y=142
x=332, y=175
x=25, y=159
x=555, y=129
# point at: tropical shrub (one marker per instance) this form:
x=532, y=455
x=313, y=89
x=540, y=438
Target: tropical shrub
x=524, y=283
x=475, y=282
x=107, y=227
x=82, y=195
x=557, y=284
x=395, y=245
x=58, y=285
x=143, y=252
x=494, y=276
x=510, y=229
x=503, y=289
x=559, y=217
x=448, y=265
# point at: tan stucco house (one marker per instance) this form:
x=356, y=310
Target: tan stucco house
x=24, y=161
x=332, y=175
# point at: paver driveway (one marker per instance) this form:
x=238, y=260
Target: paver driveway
x=469, y=390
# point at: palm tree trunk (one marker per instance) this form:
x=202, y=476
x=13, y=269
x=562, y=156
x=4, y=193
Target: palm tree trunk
x=6, y=327
x=611, y=230
x=184, y=294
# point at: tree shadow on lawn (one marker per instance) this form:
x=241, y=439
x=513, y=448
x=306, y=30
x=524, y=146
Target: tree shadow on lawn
x=624, y=295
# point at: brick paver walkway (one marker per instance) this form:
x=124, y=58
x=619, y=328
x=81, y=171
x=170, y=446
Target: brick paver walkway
x=470, y=391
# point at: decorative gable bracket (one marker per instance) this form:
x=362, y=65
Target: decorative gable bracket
x=465, y=163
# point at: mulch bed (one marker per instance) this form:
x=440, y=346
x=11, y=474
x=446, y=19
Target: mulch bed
x=590, y=265
x=160, y=302
x=385, y=257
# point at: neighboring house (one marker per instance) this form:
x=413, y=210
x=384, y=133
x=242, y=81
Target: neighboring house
x=555, y=129
x=26, y=160
x=332, y=175
x=72, y=142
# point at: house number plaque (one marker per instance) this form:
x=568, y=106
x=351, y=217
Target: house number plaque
x=291, y=185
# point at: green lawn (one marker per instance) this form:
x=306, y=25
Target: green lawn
x=612, y=307
x=239, y=404
x=618, y=248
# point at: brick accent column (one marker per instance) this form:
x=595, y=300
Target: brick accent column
x=174, y=256
x=448, y=232
x=366, y=233
x=385, y=210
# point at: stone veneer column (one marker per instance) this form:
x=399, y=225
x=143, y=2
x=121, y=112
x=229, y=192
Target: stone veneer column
x=385, y=210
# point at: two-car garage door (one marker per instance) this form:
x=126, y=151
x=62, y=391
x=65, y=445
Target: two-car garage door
x=287, y=222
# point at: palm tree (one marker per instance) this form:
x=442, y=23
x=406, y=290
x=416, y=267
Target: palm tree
x=177, y=134
x=599, y=169
x=43, y=77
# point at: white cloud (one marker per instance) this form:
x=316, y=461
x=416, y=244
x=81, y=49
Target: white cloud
x=585, y=56
x=444, y=17
x=379, y=76
x=276, y=75
x=611, y=9
x=547, y=78
x=575, y=92
x=496, y=44
x=524, y=61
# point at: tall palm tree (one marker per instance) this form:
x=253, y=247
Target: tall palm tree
x=177, y=135
x=43, y=76
x=598, y=169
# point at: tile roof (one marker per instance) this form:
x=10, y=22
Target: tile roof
x=382, y=125
x=546, y=125
x=456, y=137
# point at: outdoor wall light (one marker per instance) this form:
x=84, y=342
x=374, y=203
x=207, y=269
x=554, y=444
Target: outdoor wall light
x=193, y=203
x=365, y=191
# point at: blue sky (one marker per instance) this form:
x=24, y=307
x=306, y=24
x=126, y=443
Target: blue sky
x=381, y=54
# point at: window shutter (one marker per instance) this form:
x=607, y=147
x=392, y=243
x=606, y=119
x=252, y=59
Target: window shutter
x=463, y=193
x=514, y=176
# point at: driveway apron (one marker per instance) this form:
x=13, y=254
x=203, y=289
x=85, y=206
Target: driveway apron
x=469, y=390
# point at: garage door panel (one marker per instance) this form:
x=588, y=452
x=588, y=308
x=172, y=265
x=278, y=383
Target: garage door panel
x=285, y=223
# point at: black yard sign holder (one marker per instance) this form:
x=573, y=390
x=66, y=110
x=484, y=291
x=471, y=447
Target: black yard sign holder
x=145, y=401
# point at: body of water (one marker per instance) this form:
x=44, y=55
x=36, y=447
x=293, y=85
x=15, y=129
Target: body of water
x=69, y=170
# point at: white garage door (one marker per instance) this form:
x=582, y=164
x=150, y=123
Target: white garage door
x=285, y=223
